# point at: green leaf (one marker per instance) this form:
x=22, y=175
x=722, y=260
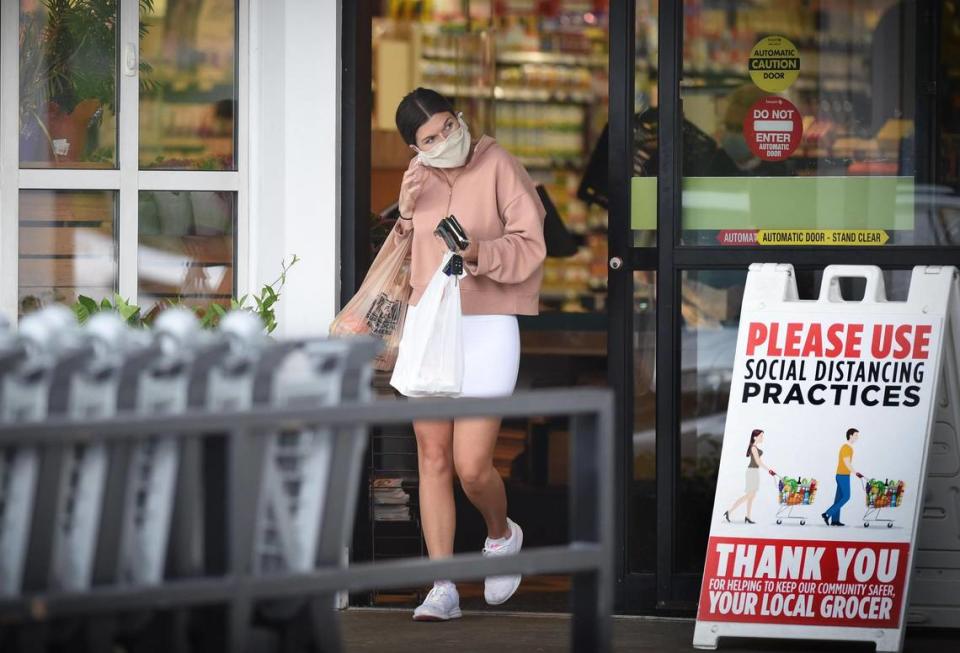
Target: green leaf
x=133, y=319
x=88, y=304
x=129, y=312
x=218, y=309
x=105, y=305
x=268, y=302
x=209, y=319
x=83, y=308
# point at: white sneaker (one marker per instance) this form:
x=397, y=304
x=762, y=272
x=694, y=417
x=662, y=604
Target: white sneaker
x=497, y=589
x=441, y=604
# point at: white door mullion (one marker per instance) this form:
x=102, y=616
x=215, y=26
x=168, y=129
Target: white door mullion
x=188, y=180
x=128, y=146
x=244, y=54
x=69, y=179
x=9, y=157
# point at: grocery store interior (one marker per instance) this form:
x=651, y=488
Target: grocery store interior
x=878, y=94
x=535, y=78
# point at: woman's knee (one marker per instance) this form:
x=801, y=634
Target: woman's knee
x=473, y=472
x=435, y=460
x=435, y=448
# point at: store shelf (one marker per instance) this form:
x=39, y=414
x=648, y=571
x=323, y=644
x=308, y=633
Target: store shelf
x=544, y=95
x=722, y=80
x=550, y=163
x=552, y=58
x=515, y=95
x=524, y=58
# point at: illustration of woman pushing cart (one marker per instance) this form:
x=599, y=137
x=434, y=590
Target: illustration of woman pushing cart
x=752, y=478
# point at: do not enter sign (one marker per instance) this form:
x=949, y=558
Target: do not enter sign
x=773, y=128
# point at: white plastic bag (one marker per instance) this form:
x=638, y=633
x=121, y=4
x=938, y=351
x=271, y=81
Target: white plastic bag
x=430, y=360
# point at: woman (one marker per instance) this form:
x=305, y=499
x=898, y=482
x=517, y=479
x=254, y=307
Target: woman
x=755, y=454
x=496, y=202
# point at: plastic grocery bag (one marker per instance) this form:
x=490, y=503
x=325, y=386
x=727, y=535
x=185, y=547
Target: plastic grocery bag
x=430, y=362
x=380, y=305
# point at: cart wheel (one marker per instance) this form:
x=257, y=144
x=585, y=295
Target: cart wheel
x=866, y=524
x=779, y=521
x=890, y=525
x=803, y=522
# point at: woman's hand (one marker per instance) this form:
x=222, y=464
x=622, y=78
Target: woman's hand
x=410, y=189
x=472, y=252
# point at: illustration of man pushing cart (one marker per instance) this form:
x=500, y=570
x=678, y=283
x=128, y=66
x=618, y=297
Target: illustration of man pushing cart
x=844, y=468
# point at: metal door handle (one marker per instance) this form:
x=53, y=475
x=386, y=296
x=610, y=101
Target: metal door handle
x=616, y=263
x=130, y=64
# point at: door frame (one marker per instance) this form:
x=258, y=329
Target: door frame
x=667, y=591
x=663, y=591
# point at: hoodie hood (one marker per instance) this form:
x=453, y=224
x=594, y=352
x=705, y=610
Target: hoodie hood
x=484, y=144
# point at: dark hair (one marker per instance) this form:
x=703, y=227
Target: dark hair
x=851, y=432
x=416, y=108
x=756, y=433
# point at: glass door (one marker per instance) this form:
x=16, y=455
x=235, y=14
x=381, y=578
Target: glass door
x=790, y=131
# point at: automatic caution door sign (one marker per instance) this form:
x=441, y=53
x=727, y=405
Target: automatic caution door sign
x=773, y=128
x=774, y=64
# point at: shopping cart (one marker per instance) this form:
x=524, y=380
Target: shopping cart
x=793, y=492
x=879, y=495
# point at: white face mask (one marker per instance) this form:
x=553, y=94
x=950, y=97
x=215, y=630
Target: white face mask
x=449, y=153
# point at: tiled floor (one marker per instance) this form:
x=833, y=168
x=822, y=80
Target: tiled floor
x=392, y=631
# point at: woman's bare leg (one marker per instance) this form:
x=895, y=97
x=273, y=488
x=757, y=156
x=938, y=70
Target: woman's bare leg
x=750, y=498
x=473, y=442
x=435, y=461
x=738, y=503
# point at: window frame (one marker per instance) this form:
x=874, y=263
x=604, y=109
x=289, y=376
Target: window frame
x=127, y=180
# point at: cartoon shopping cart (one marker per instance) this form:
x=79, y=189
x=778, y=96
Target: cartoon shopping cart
x=879, y=495
x=794, y=492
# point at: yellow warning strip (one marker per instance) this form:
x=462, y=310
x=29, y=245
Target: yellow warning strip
x=822, y=237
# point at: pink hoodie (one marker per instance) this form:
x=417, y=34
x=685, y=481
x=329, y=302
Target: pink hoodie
x=497, y=203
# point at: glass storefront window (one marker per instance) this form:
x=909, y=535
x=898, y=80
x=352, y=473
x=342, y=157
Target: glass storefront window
x=67, y=246
x=188, y=89
x=68, y=84
x=710, y=315
x=187, y=248
x=642, y=502
x=643, y=191
x=801, y=127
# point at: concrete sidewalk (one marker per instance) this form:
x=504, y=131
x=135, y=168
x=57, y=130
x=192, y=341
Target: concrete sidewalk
x=392, y=631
